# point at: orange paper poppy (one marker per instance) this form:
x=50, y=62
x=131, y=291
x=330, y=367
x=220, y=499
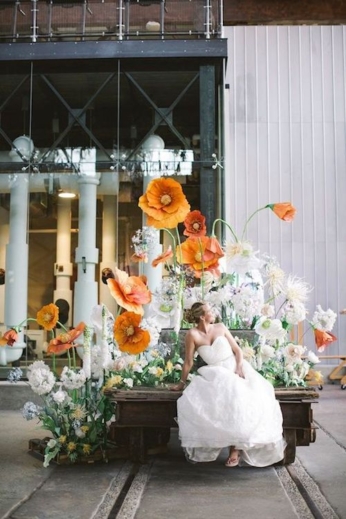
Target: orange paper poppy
x=130, y=292
x=164, y=203
x=201, y=255
x=195, y=224
x=48, y=316
x=65, y=341
x=130, y=337
x=285, y=210
x=323, y=339
x=9, y=338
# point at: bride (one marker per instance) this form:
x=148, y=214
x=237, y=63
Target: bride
x=228, y=404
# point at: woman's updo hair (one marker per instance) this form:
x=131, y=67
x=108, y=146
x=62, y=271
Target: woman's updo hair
x=197, y=311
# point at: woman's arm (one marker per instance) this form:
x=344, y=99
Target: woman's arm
x=237, y=352
x=188, y=362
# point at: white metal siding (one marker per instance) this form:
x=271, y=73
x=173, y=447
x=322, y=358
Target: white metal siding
x=285, y=141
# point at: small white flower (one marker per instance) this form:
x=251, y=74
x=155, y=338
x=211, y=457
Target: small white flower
x=313, y=358
x=59, y=396
x=79, y=433
x=267, y=352
x=128, y=382
x=268, y=310
x=51, y=444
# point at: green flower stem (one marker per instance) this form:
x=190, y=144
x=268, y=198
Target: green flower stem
x=74, y=357
x=227, y=225
x=202, y=276
x=174, y=245
x=250, y=218
x=19, y=326
x=69, y=359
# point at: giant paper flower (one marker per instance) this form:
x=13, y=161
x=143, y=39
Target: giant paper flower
x=200, y=254
x=284, y=210
x=130, y=337
x=164, y=203
x=323, y=339
x=195, y=224
x=48, y=316
x=163, y=257
x=65, y=340
x=130, y=292
x=9, y=338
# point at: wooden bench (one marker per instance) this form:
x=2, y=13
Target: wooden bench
x=145, y=416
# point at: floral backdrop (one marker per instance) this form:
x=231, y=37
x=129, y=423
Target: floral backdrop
x=248, y=291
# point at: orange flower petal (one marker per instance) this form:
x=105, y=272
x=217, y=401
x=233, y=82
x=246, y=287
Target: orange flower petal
x=48, y=316
x=65, y=341
x=163, y=257
x=284, y=210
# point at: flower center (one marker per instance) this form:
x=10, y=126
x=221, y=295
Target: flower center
x=64, y=338
x=198, y=257
x=130, y=330
x=47, y=317
x=196, y=226
x=266, y=324
x=166, y=199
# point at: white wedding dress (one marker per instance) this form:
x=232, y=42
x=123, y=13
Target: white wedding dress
x=219, y=409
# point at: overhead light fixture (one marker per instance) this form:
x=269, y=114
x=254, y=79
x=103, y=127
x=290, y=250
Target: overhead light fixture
x=66, y=194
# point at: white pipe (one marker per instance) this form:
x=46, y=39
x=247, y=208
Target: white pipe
x=63, y=267
x=4, y=237
x=86, y=289
x=16, y=286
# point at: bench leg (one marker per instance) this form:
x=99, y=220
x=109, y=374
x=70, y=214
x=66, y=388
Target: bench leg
x=290, y=451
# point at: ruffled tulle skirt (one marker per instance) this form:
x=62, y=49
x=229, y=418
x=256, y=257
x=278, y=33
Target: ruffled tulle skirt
x=219, y=409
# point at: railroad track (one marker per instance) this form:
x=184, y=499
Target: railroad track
x=126, y=491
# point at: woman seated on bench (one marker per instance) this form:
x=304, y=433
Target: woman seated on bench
x=228, y=404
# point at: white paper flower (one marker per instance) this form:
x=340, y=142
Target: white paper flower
x=323, y=320
x=271, y=329
x=294, y=352
x=242, y=258
x=296, y=290
x=72, y=379
x=40, y=378
x=294, y=312
x=59, y=396
x=312, y=357
x=267, y=352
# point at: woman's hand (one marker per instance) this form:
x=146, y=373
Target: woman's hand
x=178, y=387
x=239, y=370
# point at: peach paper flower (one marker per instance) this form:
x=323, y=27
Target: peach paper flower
x=130, y=292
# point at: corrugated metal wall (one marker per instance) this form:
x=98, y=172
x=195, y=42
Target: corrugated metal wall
x=285, y=141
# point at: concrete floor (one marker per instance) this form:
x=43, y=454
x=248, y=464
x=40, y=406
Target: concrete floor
x=169, y=487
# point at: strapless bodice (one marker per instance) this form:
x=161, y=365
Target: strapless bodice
x=217, y=352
